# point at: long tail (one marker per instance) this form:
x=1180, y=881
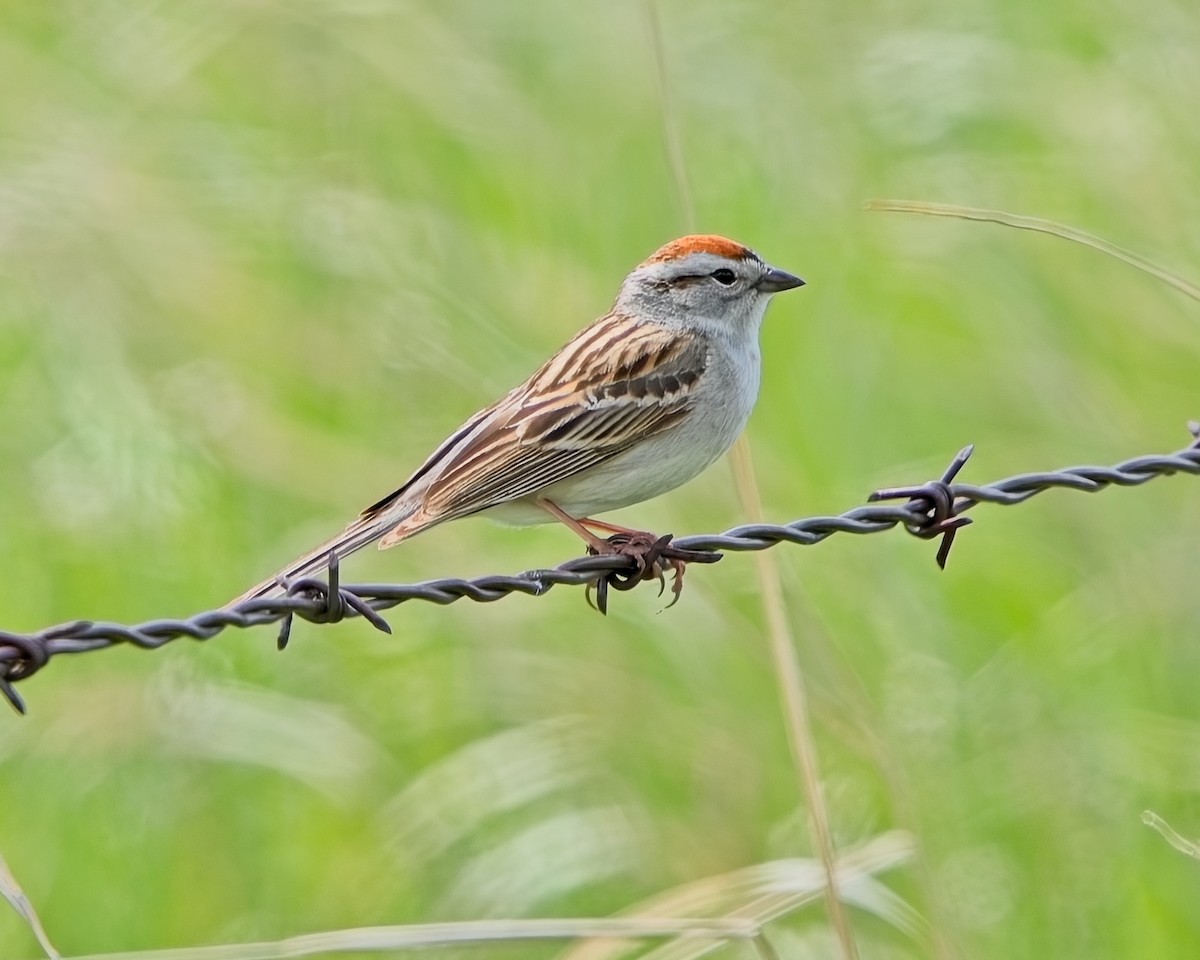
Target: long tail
x=365, y=530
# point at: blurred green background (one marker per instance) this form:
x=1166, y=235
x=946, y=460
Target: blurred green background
x=256, y=259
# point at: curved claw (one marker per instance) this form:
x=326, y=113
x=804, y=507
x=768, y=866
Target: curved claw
x=652, y=556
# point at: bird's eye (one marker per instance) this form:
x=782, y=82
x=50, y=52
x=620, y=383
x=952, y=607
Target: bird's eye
x=724, y=276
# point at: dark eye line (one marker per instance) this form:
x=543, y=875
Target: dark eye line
x=688, y=278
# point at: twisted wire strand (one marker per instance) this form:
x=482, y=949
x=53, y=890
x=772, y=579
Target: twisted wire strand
x=933, y=509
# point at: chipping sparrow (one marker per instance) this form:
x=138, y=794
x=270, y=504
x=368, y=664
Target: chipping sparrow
x=636, y=404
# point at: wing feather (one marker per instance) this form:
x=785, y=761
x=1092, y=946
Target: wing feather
x=615, y=384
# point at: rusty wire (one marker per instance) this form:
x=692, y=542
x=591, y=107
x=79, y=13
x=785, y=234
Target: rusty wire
x=930, y=510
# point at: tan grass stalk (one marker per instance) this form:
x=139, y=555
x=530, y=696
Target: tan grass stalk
x=793, y=697
x=1038, y=225
x=787, y=665
x=12, y=892
x=1170, y=834
x=431, y=935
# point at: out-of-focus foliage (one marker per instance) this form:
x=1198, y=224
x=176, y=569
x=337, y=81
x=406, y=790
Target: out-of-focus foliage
x=257, y=258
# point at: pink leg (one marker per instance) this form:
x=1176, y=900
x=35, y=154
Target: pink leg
x=607, y=527
x=593, y=541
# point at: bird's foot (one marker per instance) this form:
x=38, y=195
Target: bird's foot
x=653, y=557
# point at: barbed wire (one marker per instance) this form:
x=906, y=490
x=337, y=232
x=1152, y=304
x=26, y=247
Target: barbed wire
x=931, y=510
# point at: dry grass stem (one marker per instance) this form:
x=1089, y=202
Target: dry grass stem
x=763, y=893
x=12, y=892
x=429, y=935
x=1175, y=839
x=1038, y=225
x=794, y=700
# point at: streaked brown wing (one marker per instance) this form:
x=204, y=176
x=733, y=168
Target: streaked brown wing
x=615, y=384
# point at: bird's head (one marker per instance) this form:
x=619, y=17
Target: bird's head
x=704, y=280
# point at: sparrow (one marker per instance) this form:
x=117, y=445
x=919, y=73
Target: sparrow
x=635, y=405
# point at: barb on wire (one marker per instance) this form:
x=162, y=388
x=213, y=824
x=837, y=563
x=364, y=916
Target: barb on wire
x=933, y=509
x=943, y=518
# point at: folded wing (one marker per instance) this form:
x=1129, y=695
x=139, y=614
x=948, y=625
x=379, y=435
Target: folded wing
x=615, y=384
